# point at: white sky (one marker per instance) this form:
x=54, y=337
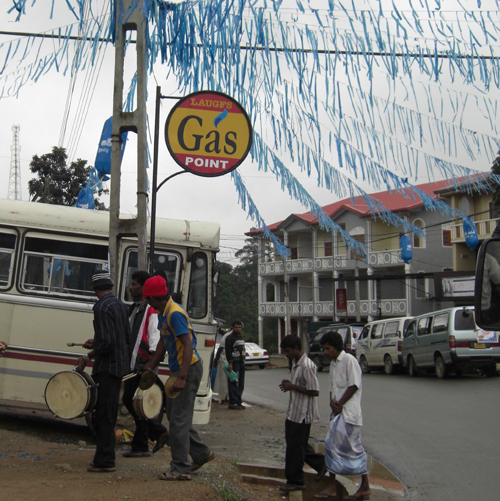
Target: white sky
x=39, y=110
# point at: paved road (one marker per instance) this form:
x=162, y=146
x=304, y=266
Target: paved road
x=441, y=438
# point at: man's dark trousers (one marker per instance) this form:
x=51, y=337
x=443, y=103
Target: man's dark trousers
x=298, y=452
x=235, y=389
x=104, y=418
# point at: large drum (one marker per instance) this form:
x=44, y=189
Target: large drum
x=71, y=394
x=148, y=403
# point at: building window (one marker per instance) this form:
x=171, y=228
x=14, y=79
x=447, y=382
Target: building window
x=419, y=240
x=446, y=235
x=328, y=249
x=294, y=253
x=464, y=206
x=420, y=287
x=358, y=234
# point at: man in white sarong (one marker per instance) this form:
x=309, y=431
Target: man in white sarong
x=344, y=454
x=220, y=383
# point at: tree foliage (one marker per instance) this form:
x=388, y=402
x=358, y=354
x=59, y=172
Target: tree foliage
x=57, y=183
x=237, y=296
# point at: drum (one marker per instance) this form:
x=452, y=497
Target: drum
x=148, y=403
x=70, y=394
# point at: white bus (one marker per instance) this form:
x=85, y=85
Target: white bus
x=48, y=254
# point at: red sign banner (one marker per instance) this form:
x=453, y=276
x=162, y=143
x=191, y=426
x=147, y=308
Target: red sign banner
x=341, y=297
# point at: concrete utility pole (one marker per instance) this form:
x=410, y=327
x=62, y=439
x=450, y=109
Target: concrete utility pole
x=129, y=17
x=14, y=192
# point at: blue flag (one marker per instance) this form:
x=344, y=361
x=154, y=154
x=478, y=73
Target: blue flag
x=103, y=157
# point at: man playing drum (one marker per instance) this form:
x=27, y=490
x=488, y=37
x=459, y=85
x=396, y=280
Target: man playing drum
x=179, y=339
x=145, y=337
x=109, y=348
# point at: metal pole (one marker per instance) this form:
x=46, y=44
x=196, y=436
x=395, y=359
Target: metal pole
x=155, y=181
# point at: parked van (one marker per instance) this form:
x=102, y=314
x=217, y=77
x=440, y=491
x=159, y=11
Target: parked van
x=349, y=332
x=447, y=340
x=380, y=347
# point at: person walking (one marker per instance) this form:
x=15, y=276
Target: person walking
x=235, y=354
x=145, y=337
x=179, y=340
x=302, y=411
x=344, y=453
x=221, y=380
x=109, y=349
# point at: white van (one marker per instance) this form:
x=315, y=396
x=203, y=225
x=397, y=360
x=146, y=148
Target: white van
x=380, y=346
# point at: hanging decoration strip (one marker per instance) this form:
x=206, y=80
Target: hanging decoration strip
x=352, y=91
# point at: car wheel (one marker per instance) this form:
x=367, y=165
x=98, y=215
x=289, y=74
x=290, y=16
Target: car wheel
x=262, y=366
x=365, y=368
x=490, y=370
x=317, y=362
x=388, y=365
x=441, y=369
x=412, y=367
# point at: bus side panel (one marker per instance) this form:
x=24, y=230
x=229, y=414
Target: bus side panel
x=38, y=349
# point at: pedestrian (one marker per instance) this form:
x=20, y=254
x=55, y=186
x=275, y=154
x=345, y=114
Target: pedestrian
x=145, y=337
x=221, y=381
x=179, y=340
x=302, y=411
x=344, y=453
x=109, y=349
x=235, y=354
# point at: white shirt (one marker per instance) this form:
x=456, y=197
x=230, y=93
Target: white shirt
x=345, y=372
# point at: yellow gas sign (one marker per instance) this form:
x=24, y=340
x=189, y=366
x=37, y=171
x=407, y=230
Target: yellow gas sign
x=208, y=133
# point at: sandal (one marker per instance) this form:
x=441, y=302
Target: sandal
x=195, y=466
x=93, y=469
x=174, y=476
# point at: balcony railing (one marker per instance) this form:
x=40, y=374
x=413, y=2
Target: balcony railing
x=484, y=230
x=320, y=264
x=388, y=307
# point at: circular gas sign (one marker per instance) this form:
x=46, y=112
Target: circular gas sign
x=208, y=133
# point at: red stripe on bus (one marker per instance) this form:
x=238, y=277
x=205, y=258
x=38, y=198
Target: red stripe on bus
x=44, y=358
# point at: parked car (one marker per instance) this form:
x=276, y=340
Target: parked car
x=381, y=347
x=447, y=340
x=349, y=332
x=254, y=354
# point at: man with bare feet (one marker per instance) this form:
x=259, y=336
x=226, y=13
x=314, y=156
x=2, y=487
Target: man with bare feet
x=344, y=454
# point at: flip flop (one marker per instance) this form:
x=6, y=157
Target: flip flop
x=292, y=488
x=175, y=477
x=195, y=466
x=321, y=473
x=328, y=496
x=361, y=497
x=135, y=454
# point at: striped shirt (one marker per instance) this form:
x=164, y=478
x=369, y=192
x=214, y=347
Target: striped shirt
x=111, y=336
x=302, y=407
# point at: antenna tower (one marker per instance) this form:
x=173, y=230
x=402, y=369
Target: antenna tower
x=15, y=167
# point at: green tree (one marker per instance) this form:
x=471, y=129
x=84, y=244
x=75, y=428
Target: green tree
x=57, y=183
x=237, y=296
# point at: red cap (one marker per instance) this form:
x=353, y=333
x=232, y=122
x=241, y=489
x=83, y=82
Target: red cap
x=154, y=286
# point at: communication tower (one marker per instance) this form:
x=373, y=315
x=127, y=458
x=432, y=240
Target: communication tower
x=15, y=167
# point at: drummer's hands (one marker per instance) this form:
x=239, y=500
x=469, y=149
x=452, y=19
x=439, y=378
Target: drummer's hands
x=179, y=384
x=88, y=344
x=81, y=362
x=3, y=347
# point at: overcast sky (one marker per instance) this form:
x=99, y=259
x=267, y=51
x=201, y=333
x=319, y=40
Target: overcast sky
x=39, y=110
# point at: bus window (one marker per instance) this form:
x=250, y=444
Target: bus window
x=7, y=246
x=61, y=266
x=198, y=287
x=169, y=262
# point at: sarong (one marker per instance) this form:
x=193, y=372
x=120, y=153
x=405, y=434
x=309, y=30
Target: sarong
x=344, y=454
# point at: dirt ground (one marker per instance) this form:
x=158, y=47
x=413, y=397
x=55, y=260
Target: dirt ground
x=47, y=459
